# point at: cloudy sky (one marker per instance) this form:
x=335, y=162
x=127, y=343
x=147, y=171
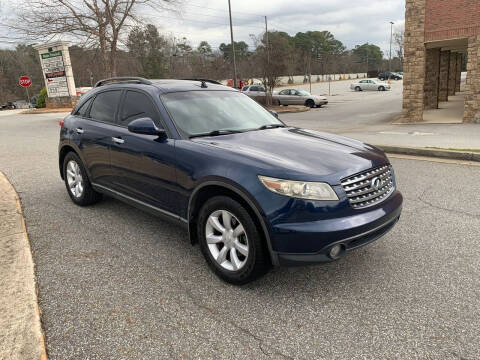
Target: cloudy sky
x=351, y=21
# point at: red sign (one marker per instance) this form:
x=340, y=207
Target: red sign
x=25, y=81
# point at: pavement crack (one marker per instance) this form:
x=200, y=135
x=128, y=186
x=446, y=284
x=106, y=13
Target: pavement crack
x=457, y=212
x=236, y=326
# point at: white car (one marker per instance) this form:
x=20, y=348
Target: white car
x=254, y=91
x=374, y=85
x=298, y=97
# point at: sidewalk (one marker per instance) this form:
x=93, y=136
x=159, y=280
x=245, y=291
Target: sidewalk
x=21, y=335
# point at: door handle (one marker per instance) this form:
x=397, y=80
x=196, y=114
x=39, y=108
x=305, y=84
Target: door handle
x=118, y=140
x=79, y=130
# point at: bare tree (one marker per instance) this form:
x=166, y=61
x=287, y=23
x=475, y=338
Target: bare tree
x=93, y=22
x=398, y=37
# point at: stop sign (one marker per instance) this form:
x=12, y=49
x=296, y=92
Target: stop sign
x=25, y=81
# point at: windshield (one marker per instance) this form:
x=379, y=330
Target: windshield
x=202, y=112
x=304, y=93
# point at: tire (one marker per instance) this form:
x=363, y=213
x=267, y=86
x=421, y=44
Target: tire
x=358, y=88
x=310, y=103
x=87, y=196
x=381, y=88
x=279, y=103
x=233, y=267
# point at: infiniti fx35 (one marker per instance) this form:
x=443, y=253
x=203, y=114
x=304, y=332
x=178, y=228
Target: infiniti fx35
x=251, y=191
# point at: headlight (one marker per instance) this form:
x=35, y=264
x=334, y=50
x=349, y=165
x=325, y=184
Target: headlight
x=299, y=189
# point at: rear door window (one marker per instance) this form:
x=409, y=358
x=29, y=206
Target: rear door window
x=137, y=105
x=105, y=106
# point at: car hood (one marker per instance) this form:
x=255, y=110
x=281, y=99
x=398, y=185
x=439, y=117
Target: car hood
x=298, y=154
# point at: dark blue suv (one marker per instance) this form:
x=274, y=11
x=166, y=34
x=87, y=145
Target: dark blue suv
x=251, y=191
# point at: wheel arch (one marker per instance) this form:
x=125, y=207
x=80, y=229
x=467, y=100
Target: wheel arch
x=64, y=150
x=212, y=188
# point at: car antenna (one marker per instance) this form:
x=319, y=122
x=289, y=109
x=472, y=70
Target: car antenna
x=204, y=84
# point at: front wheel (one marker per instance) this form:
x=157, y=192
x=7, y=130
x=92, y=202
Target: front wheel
x=310, y=104
x=76, y=180
x=230, y=241
x=381, y=88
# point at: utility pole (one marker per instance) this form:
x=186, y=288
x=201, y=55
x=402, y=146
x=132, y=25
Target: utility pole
x=391, y=38
x=268, y=61
x=233, y=47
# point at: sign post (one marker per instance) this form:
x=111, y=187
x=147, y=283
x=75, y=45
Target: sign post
x=25, y=82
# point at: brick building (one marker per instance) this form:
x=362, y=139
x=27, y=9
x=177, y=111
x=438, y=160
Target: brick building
x=438, y=33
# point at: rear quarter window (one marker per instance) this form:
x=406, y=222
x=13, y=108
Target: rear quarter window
x=83, y=109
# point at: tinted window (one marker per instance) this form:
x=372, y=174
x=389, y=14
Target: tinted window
x=105, y=105
x=82, y=111
x=245, y=88
x=253, y=88
x=137, y=105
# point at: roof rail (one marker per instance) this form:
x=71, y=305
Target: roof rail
x=138, y=80
x=205, y=80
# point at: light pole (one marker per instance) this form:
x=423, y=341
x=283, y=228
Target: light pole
x=233, y=47
x=391, y=37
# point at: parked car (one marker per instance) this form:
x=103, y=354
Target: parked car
x=10, y=105
x=251, y=191
x=254, y=91
x=298, y=97
x=370, y=85
x=389, y=75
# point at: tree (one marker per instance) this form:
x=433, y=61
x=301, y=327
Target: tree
x=270, y=55
x=241, y=50
x=94, y=22
x=204, y=48
x=399, y=38
x=150, y=48
x=369, y=54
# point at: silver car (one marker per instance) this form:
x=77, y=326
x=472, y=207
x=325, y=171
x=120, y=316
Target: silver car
x=374, y=85
x=298, y=97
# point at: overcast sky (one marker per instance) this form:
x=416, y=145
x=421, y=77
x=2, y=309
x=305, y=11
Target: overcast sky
x=351, y=21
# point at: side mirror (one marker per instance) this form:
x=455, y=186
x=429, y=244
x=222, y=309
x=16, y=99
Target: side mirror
x=145, y=126
x=274, y=113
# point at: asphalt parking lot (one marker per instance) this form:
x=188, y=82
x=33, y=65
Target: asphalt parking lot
x=117, y=283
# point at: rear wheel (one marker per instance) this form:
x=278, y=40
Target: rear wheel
x=230, y=241
x=279, y=103
x=310, y=103
x=76, y=180
x=358, y=88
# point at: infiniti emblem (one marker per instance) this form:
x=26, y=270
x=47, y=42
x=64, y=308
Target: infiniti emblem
x=376, y=183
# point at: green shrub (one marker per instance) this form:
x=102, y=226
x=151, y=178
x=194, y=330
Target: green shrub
x=41, y=98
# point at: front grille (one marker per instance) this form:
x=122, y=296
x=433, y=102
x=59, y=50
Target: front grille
x=369, y=187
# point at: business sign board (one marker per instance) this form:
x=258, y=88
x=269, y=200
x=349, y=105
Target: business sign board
x=53, y=66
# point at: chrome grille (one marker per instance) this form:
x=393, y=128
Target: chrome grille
x=369, y=187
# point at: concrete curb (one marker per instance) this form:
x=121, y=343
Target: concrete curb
x=21, y=335
x=444, y=154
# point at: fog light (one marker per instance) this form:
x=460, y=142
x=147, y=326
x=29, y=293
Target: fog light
x=335, y=251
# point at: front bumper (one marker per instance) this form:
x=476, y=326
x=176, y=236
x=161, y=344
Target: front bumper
x=310, y=242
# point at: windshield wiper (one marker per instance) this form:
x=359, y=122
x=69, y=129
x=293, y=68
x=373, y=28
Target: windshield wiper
x=270, y=126
x=216, y=133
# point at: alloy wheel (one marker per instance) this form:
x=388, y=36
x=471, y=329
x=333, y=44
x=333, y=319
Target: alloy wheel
x=74, y=179
x=227, y=240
